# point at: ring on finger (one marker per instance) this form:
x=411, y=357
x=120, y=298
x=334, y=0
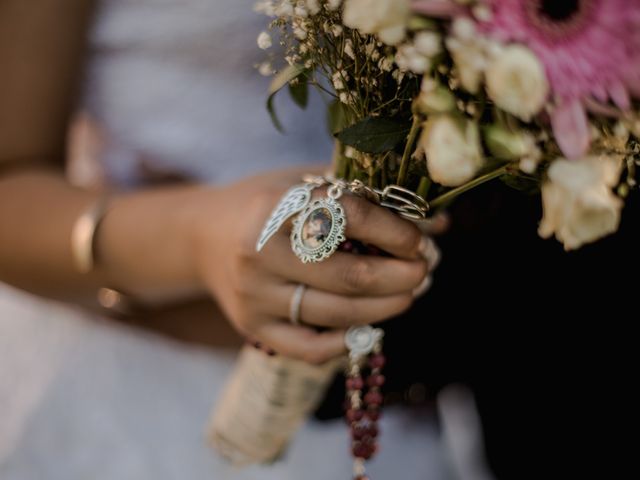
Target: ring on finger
x=296, y=303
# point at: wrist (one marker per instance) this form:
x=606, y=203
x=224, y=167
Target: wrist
x=145, y=244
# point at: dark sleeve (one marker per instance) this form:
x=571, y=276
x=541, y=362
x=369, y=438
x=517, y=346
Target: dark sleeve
x=545, y=338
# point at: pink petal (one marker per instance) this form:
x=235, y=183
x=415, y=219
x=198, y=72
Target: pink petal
x=600, y=92
x=438, y=8
x=620, y=96
x=571, y=129
x=632, y=78
x=602, y=108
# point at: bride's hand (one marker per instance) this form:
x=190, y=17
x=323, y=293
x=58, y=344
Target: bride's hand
x=255, y=289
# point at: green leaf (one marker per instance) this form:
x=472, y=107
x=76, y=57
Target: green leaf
x=417, y=23
x=374, y=135
x=524, y=184
x=278, y=83
x=504, y=143
x=337, y=117
x=300, y=92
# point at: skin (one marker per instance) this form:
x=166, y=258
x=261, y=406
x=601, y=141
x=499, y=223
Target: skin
x=166, y=243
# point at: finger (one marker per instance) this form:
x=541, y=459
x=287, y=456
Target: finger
x=430, y=252
x=301, y=342
x=331, y=310
x=423, y=288
x=327, y=309
x=436, y=225
x=345, y=273
x=375, y=225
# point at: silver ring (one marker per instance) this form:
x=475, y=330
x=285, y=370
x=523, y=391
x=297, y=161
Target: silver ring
x=296, y=302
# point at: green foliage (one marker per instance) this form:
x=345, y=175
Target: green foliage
x=504, y=143
x=300, y=92
x=374, y=134
x=525, y=184
x=281, y=80
x=337, y=117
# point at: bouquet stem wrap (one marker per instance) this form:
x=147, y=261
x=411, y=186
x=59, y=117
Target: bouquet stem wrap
x=264, y=403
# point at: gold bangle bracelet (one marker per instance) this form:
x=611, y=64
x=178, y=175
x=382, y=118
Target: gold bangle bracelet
x=83, y=235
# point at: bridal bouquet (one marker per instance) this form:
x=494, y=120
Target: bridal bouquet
x=426, y=100
x=439, y=96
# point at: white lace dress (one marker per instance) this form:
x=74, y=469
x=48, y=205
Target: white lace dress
x=173, y=82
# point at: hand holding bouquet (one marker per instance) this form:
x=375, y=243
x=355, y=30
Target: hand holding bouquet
x=430, y=98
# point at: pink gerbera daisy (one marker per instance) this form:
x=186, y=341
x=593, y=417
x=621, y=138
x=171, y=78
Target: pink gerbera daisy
x=590, y=50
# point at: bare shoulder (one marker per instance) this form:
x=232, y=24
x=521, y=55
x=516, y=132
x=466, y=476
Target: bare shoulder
x=41, y=50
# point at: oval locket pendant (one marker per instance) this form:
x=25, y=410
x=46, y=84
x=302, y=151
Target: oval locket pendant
x=319, y=230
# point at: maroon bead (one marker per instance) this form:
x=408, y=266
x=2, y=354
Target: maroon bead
x=373, y=413
x=374, y=449
x=376, y=380
x=373, y=398
x=354, y=415
x=377, y=361
x=360, y=431
x=355, y=383
x=362, y=450
x=361, y=477
x=372, y=430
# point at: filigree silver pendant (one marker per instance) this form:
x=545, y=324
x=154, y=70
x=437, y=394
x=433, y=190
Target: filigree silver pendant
x=292, y=202
x=318, y=230
x=361, y=340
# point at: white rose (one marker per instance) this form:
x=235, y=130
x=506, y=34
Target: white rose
x=578, y=202
x=428, y=44
x=516, y=82
x=453, y=150
x=386, y=18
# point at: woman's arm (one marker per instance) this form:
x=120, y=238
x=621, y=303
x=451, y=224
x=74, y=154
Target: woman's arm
x=160, y=243
x=41, y=46
x=141, y=242
x=41, y=49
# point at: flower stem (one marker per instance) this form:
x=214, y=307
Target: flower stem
x=404, y=163
x=451, y=194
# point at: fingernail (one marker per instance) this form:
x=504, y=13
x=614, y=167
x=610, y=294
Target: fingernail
x=423, y=287
x=429, y=252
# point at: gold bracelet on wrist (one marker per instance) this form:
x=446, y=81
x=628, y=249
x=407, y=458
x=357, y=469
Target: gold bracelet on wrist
x=83, y=235
x=83, y=250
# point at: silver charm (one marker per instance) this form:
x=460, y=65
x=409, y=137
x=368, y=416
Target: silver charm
x=292, y=202
x=361, y=340
x=319, y=229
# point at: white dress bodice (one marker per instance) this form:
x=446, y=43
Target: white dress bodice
x=174, y=85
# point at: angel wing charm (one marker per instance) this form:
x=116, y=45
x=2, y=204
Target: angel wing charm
x=293, y=201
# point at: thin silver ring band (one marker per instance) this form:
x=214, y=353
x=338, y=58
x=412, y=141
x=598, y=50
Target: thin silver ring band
x=296, y=302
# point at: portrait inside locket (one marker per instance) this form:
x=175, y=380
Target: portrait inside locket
x=316, y=228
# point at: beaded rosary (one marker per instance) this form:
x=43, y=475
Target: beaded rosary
x=363, y=412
